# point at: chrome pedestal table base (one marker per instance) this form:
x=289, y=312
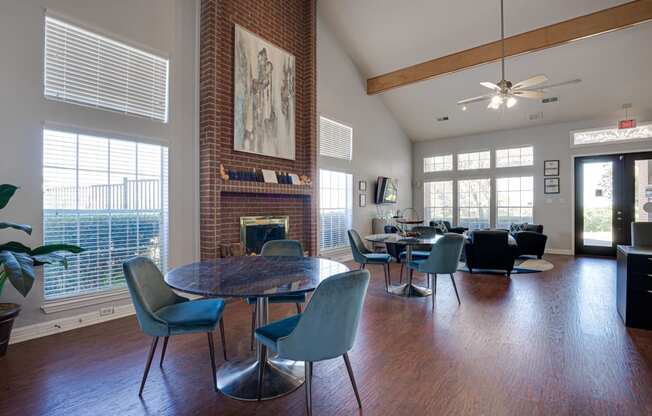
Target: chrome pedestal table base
x=239, y=379
x=409, y=289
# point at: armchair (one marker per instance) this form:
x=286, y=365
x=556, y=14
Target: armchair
x=490, y=249
x=530, y=240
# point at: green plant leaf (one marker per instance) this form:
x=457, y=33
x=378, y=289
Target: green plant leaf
x=41, y=259
x=23, y=227
x=19, y=269
x=51, y=248
x=6, y=192
x=15, y=246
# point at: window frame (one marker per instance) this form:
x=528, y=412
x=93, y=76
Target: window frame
x=647, y=124
x=72, y=301
x=452, y=206
x=433, y=157
x=457, y=158
x=519, y=147
x=458, y=201
x=497, y=206
x=319, y=138
x=348, y=209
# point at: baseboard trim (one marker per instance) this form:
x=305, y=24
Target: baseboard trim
x=56, y=326
x=561, y=251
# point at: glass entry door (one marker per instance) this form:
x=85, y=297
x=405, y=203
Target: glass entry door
x=599, y=216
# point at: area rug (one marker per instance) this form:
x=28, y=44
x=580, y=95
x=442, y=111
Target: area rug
x=521, y=265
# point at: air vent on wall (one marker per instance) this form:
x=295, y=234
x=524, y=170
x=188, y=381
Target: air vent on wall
x=550, y=100
x=445, y=118
x=536, y=116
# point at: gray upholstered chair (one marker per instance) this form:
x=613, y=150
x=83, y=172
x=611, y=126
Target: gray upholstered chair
x=642, y=234
x=443, y=259
x=325, y=330
x=163, y=313
x=279, y=248
x=363, y=256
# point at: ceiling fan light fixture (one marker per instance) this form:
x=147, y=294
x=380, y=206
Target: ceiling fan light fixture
x=496, y=102
x=511, y=102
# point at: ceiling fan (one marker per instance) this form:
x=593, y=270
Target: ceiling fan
x=507, y=93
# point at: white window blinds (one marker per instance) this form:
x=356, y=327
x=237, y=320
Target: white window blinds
x=109, y=197
x=85, y=68
x=335, y=139
x=335, y=208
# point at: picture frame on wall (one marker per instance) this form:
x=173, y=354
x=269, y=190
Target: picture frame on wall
x=551, y=168
x=362, y=186
x=363, y=200
x=551, y=186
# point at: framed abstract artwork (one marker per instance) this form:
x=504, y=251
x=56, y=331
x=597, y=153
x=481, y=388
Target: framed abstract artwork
x=551, y=186
x=264, y=97
x=551, y=168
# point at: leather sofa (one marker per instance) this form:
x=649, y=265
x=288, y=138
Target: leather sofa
x=490, y=249
x=449, y=227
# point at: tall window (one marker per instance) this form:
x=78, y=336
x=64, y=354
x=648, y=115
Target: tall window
x=110, y=197
x=335, y=139
x=85, y=68
x=438, y=163
x=517, y=156
x=438, y=200
x=474, y=203
x=335, y=208
x=611, y=135
x=514, y=201
x=475, y=160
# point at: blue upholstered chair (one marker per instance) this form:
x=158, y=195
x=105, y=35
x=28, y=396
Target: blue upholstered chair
x=363, y=256
x=443, y=259
x=418, y=252
x=163, y=313
x=326, y=329
x=279, y=248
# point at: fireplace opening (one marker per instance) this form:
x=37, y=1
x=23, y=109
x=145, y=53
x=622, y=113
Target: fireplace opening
x=256, y=231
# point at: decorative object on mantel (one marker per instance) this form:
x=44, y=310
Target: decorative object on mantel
x=264, y=97
x=295, y=179
x=551, y=186
x=269, y=176
x=305, y=180
x=551, y=168
x=223, y=174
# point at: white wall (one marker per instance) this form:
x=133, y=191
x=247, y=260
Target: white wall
x=380, y=148
x=168, y=26
x=551, y=142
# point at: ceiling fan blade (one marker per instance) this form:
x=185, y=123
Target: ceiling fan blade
x=490, y=85
x=529, y=94
x=530, y=82
x=475, y=99
x=558, y=84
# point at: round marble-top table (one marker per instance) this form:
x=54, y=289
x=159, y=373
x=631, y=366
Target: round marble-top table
x=409, y=288
x=259, y=277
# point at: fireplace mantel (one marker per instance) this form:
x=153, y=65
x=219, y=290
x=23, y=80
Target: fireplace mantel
x=245, y=187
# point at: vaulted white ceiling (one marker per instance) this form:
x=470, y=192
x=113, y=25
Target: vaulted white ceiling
x=384, y=35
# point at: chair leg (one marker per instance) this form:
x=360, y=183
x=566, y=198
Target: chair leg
x=211, y=353
x=400, y=282
x=223, y=337
x=455, y=287
x=261, y=371
x=308, y=383
x=253, y=326
x=433, y=277
x=298, y=308
x=350, y=371
x=152, y=348
x=385, y=272
x=165, y=347
x=389, y=276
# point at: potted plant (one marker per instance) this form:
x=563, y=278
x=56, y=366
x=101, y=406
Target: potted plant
x=17, y=262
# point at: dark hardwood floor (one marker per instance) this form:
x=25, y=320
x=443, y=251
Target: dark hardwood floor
x=536, y=344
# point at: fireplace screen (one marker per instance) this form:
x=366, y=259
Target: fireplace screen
x=256, y=231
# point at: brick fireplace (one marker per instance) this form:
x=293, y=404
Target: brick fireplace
x=291, y=25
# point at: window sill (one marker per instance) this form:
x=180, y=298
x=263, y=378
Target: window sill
x=76, y=302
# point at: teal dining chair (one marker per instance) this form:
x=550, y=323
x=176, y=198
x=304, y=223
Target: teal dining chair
x=279, y=248
x=325, y=330
x=163, y=313
x=363, y=256
x=443, y=259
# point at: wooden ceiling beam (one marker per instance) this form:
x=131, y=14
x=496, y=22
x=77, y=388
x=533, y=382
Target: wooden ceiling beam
x=603, y=21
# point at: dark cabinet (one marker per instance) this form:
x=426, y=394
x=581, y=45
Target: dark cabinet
x=634, y=286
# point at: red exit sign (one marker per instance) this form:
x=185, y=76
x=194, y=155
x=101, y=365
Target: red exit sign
x=627, y=124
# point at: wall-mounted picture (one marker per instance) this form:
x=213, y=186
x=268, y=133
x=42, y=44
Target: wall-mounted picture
x=363, y=200
x=551, y=168
x=551, y=186
x=362, y=186
x=264, y=97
